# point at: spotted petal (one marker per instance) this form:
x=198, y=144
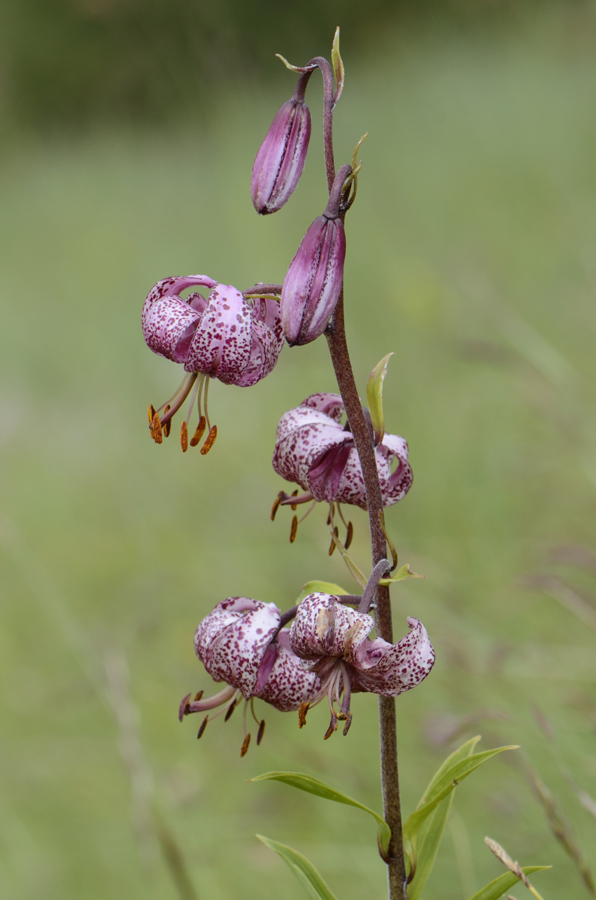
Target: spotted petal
x=391, y=669
x=288, y=684
x=325, y=627
x=231, y=641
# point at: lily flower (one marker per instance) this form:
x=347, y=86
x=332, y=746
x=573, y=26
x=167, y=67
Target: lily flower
x=314, y=450
x=333, y=641
x=242, y=644
x=228, y=336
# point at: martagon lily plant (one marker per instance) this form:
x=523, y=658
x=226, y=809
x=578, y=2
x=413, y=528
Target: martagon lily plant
x=337, y=452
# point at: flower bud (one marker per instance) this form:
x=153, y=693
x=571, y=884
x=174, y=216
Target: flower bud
x=281, y=158
x=314, y=280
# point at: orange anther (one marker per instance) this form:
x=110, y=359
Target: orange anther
x=184, y=437
x=199, y=432
x=276, y=504
x=293, y=529
x=167, y=426
x=156, y=429
x=209, y=444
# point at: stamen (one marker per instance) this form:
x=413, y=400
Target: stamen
x=184, y=437
x=205, y=383
x=261, y=732
x=178, y=397
x=150, y=414
x=334, y=538
x=198, y=696
x=202, y=728
x=229, y=711
x=308, y=511
x=332, y=726
x=156, y=429
x=276, y=505
x=245, y=746
x=293, y=529
x=199, y=432
x=348, y=723
x=183, y=709
x=304, y=707
x=293, y=506
x=330, y=515
x=349, y=536
x=210, y=440
x=167, y=425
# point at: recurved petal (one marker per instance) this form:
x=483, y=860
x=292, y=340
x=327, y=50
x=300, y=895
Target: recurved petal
x=394, y=485
x=324, y=627
x=165, y=323
x=266, y=342
x=231, y=641
x=221, y=345
x=174, y=285
x=392, y=669
x=288, y=684
x=330, y=404
x=303, y=435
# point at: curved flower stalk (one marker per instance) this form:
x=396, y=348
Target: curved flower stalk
x=228, y=336
x=333, y=641
x=314, y=450
x=241, y=643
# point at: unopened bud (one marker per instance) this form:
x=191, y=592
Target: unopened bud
x=314, y=280
x=281, y=158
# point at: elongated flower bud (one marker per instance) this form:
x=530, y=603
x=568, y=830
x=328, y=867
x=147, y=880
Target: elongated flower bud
x=314, y=280
x=282, y=155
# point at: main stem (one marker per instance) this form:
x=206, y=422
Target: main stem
x=336, y=338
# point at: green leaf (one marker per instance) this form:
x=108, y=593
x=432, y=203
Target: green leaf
x=323, y=587
x=338, y=67
x=402, y=573
x=320, y=789
x=374, y=396
x=292, y=68
x=497, y=888
x=424, y=841
x=304, y=870
x=448, y=782
x=423, y=830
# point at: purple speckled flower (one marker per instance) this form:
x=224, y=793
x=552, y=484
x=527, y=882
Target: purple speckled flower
x=314, y=280
x=225, y=336
x=313, y=449
x=282, y=154
x=241, y=644
x=333, y=641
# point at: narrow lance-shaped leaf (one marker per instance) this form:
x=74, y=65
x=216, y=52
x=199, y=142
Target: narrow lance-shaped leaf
x=449, y=781
x=495, y=889
x=304, y=870
x=374, y=396
x=404, y=572
x=424, y=843
x=320, y=789
x=338, y=67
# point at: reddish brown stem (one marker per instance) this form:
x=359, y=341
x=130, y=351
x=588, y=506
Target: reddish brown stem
x=338, y=348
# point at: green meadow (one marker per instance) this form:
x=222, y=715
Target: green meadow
x=471, y=258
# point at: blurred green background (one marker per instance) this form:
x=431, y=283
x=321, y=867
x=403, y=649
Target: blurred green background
x=130, y=131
